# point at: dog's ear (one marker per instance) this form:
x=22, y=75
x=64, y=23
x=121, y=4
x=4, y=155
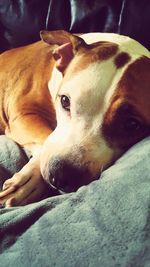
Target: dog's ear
x=65, y=45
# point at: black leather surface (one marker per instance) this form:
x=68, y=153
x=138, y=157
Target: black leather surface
x=135, y=20
x=21, y=20
x=84, y=16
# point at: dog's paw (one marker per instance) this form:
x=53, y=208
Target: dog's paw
x=24, y=187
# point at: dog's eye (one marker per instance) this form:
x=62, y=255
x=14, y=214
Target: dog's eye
x=132, y=124
x=65, y=102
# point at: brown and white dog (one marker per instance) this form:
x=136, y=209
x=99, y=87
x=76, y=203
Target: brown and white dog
x=100, y=89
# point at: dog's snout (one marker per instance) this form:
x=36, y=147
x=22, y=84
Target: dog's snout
x=67, y=177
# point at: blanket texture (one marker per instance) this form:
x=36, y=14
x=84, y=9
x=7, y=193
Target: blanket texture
x=104, y=224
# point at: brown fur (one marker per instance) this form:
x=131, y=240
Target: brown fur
x=122, y=59
x=127, y=102
x=18, y=103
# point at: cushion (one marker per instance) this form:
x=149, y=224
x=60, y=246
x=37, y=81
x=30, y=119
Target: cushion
x=106, y=223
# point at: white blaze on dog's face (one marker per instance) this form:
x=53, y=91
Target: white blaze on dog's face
x=98, y=115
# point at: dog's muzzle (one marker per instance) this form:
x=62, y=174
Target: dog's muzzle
x=65, y=176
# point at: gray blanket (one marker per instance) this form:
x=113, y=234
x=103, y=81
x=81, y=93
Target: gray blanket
x=104, y=224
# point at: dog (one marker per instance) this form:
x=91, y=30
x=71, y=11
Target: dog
x=77, y=102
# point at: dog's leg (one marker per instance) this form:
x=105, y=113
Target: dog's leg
x=24, y=187
x=27, y=185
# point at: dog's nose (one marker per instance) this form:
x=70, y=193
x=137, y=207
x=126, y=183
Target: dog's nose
x=67, y=177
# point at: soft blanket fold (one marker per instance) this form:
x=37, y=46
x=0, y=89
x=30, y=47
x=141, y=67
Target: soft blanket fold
x=104, y=224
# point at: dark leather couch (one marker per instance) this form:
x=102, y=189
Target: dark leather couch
x=21, y=20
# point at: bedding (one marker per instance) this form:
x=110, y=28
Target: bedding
x=106, y=223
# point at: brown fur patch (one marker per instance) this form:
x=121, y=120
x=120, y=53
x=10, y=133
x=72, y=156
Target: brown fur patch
x=121, y=59
x=104, y=50
x=129, y=102
x=100, y=50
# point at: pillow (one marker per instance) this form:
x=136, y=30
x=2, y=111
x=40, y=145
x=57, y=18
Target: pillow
x=106, y=223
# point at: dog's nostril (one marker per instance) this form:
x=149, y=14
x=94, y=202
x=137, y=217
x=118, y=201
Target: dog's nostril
x=66, y=177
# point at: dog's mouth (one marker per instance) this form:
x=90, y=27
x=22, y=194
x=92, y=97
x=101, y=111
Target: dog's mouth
x=57, y=190
x=62, y=191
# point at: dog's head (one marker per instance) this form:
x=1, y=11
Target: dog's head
x=101, y=92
